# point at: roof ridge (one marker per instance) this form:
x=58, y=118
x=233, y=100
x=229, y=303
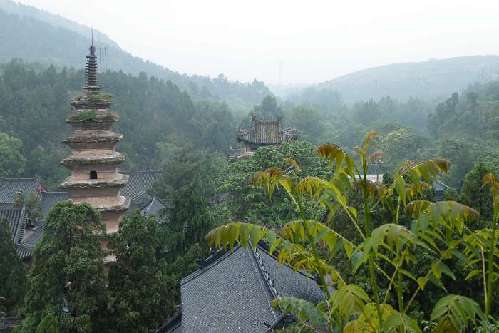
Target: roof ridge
x=269, y=282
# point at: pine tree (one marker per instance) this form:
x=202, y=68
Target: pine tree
x=67, y=281
x=139, y=294
x=12, y=274
x=475, y=194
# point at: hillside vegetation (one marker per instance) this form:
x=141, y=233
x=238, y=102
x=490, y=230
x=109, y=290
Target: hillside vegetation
x=37, y=36
x=156, y=118
x=427, y=80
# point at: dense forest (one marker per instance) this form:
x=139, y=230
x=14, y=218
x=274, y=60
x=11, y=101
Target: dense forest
x=190, y=140
x=156, y=117
x=392, y=256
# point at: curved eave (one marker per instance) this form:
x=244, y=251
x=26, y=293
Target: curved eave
x=120, y=208
x=101, y=116
x=93, y=139
x=117, y=158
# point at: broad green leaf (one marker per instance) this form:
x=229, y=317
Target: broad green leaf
x=438, y=267
x=349, y=300
x=301, y=231
x=234, y=233
x=416, y=207
x=303, y=311
x=454, y=313
x=399, y=185
x=393, y=321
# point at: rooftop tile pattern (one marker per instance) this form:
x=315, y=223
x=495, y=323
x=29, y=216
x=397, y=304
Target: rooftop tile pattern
x=234, y=293
x=10, y=187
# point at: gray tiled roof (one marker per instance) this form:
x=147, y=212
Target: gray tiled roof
x=14, y=217
x=50, y=199
x=16, y=220
x=290, y=283
x=234, y=293
x=139, y=183
x=153, y=208
x=9, y=187
x=27, y=238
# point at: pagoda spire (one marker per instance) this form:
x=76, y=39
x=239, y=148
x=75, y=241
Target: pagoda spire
x=91, y=69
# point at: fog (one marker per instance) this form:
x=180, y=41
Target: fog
x=287, y=41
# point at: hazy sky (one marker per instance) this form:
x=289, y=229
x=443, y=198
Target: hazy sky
x=288, y=41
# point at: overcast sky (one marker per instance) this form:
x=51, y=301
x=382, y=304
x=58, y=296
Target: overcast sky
x=288, y=41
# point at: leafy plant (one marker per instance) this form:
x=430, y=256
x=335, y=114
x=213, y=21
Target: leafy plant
x=403, y=244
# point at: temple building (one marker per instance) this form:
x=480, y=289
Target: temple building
x=27, y=227
x=95, y=178
x=263, y=133
x=233, y=292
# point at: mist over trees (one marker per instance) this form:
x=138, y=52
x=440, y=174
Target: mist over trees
x=392, y=256
x=39, y=37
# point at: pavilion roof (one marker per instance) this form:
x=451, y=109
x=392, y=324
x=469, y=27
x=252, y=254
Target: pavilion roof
x=266, y=132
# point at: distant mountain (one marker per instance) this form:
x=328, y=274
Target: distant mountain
x=428, y=79
x=37, y=36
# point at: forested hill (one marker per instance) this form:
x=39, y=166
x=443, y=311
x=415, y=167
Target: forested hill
x=156, y=119
x=37, y=36
x=426, y=80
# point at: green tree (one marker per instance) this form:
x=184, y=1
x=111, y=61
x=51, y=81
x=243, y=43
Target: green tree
x=402, y=144
x=390, y=264
x=474, y=194
x=309, y=122
x=460, y=154
x=189, y=187
x=245, y=201
x=12, y=162
x=12, y=274
x=67, y=280
x=268, y=108
x=138, y=291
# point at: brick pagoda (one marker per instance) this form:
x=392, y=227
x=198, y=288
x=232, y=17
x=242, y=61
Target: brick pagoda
x=95, y=178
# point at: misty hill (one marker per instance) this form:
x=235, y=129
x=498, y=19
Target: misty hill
x=427, y=80
x=37, y=36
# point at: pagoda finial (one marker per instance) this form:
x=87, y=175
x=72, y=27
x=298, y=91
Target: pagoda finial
x=91, y=68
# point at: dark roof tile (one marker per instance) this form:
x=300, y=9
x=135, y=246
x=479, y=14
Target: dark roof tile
x=10, y=187
x=234, y=292
x=229, y=296
x=139, y=183
x=50, y=199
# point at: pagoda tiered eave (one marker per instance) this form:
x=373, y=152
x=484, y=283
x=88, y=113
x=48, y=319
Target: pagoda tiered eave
x=118, y=181
x=118, y=208
x=93, y=158
x=94, y=137
x=82, y=116
x=92, y=100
